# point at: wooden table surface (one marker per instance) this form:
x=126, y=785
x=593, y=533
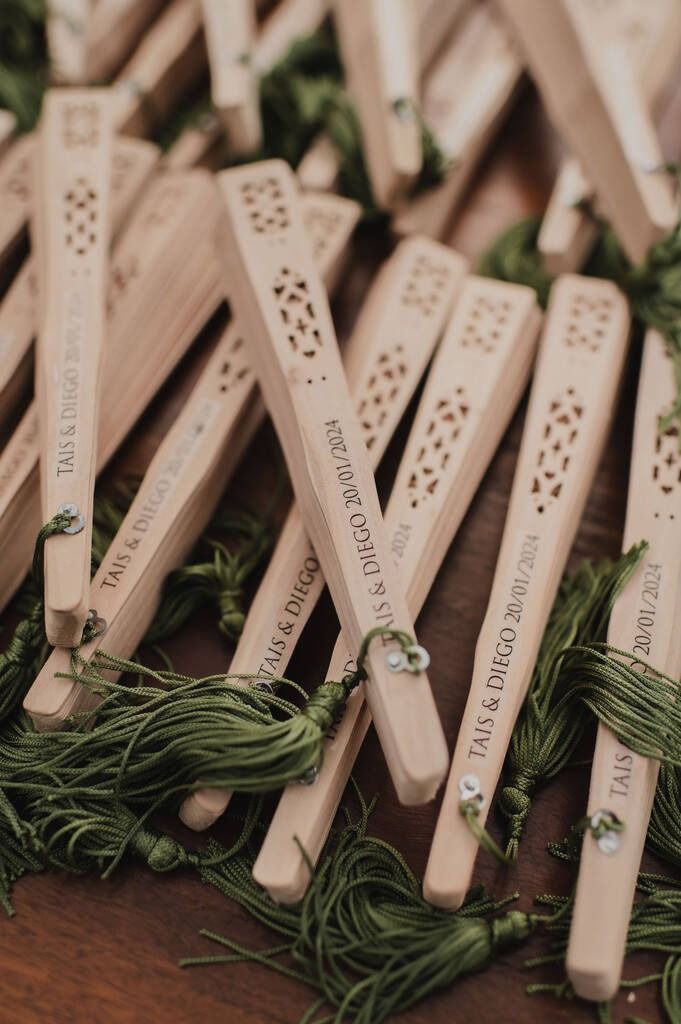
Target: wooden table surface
x=81, y=950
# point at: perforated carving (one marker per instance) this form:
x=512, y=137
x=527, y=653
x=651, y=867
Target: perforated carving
x=487, y=318
x=234, y=367
x=588, y=321
x=425, y=284
x=163, y=203
x=667, y=463
x=266, y=206
x=322, y=225
x=440, y=435
x=81, y=216
x=382, y=388
x=80, y=125
x=121, y=276
x=554, y=457
x=17, y=183
x=297, y=312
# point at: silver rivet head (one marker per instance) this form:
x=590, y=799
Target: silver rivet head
x=418, y=658
x=97, y=623
x=609, y=843
x=469, y=788
x=77, y=520
x=310, y=776
x=396, y=661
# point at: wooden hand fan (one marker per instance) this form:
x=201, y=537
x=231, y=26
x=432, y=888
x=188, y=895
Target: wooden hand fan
x=478, y=375
x=571, y=403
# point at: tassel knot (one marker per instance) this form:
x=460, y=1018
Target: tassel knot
x=326, y=704
x=161, y=852
x=515, y=801
x=232, y=615
x=514, y=927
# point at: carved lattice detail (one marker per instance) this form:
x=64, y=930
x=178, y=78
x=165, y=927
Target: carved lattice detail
x=554, y=456
x=423, y=290
x=382, y=389
x=266, y=206
x=667, y=464
x=297, y=312
x=81, y=125
x=588, y=321
x=121, y=276
x=81, y=216
x=234, y=367
x=488, y=316
x=322, y=225
x=440, y=435
x=163, y=203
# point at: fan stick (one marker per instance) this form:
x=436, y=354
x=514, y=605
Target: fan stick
x=436, y=21
x=133, y=163
x=8, y=125
x=644, y=621
x=68, y=28
x=590, y=118
x=71, y=220
x=571, y=404
x=466, y=95
x=408, y=303
x=15, y=198
x=476, y=381
x=168, y=62
x=652, y=36
x=182, y=484
x=230, y=36
x=281, y=302
x=378, y=48
x=147, y=336
x=116, y=27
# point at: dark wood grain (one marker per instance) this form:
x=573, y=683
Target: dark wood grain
x=81, y=950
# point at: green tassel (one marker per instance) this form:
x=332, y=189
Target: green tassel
x=655, y=926
x=23, y=59
x=363, y=937
x=514, y=257
x=220, y=581
x=549, y=727
x=303, y=96
x=664, y=829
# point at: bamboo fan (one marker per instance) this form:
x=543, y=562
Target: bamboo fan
x=571, y=403
x=158, y=301
x=599, y=113
x=68, y=27
x=8, y=124
x=645, y=621
x=230, y=37
x=478, y=375
x=169, y=60
x=290, y=20
x=436, y=20
x=408, y=304
x=651, y=34
x=378, y=48
x=15, y=198
x=281, y=302
x=174, y=503
x=71, y=214
x=466, y=95
x=133, y=162
x=115, y=28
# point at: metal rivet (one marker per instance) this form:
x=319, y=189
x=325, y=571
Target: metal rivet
x=98, y=625
x=469, y=789
x=77, y=520
x=310, y=776
x=263, y=684
x=608, y=843
x=418, y=658
x=396, y=661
